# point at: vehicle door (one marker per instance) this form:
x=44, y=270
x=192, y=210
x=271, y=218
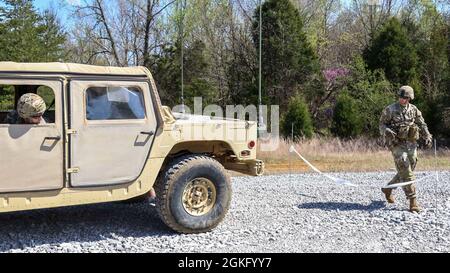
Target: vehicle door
x=113, y=125
x=31, y=156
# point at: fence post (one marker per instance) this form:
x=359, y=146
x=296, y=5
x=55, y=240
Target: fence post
x=290, y=154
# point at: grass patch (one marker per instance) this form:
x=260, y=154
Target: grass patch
x=335, y=155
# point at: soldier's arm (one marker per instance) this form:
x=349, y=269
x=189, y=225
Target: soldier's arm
x=12, y=117
x=420, y=121
x=385, y=121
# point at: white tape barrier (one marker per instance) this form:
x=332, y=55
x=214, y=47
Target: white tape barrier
x=348, y=183
x=334, y=179
x=399, y=185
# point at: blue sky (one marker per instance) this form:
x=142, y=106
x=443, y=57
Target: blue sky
x=46, y=3
x=62, y=7
x=43, y=4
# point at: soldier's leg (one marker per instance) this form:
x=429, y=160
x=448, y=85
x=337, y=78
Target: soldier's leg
x=396, y=152
x=388, y=192
x=410, y=190
x=395, y=180
x=406, y=174
x=403, y=164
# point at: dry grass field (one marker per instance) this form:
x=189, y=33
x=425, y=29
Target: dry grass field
x=335, y=155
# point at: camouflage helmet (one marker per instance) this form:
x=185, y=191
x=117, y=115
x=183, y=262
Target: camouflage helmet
x=30, y=105
x=406, y=92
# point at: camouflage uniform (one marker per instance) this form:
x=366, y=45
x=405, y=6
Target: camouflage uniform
x=401, y=127
x=29, y=105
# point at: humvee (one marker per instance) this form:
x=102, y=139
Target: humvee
x=107, y=138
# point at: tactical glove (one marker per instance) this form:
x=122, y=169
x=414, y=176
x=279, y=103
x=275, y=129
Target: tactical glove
x=389, y=132
x=429, y=142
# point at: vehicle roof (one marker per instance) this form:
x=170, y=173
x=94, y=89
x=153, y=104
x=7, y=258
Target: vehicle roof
x=70, y=68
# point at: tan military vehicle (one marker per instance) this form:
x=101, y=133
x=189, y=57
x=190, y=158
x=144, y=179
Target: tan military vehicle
x=106, y=137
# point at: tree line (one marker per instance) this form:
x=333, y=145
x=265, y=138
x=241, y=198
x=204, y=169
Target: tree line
x=331, y=65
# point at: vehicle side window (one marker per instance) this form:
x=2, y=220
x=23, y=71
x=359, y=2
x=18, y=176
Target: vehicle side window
x=49, y=97
x=10, y=94
x=114, y=103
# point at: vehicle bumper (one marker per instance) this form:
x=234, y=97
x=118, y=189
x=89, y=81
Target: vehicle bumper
x=253, y=167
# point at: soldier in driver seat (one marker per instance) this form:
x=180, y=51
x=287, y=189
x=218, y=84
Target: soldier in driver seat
x=30, y=109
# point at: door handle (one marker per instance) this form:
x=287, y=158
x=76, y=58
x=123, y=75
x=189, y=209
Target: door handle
x=151, y=133
x=57, y=138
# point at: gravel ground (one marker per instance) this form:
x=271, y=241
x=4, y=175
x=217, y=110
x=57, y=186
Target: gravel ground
x=298, y=213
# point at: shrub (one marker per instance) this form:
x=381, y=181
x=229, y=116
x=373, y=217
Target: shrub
x=347, y=119
x=299, y=116
x=372, y=91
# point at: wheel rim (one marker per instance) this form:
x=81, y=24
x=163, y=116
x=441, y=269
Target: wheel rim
x=199, y=196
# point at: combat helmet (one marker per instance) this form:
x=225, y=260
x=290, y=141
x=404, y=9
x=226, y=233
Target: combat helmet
x=406, y=92
x=30, y=105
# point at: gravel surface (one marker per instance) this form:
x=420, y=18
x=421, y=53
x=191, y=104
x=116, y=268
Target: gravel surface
x=298, y=213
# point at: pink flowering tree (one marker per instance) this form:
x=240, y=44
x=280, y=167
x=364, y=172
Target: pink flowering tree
x=333, y=74
x=335, y=79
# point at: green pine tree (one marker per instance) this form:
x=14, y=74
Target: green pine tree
x=288, y=58
x=392, y=51
x=26, y=36
x=168, y=75
x=52, y=37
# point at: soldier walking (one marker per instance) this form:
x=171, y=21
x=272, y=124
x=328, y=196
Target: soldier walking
x=401, y=126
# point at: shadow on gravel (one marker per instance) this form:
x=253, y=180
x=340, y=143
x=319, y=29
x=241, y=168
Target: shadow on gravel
x=332, y=206
x=88, y=223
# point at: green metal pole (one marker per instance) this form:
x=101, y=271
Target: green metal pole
x=182, y=7
x=260, y=119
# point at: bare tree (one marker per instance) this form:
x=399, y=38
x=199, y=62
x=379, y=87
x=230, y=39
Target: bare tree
x=123, y=31
x=372, y=14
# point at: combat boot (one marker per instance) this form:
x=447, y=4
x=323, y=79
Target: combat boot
x=389, y=196
x=413, y=206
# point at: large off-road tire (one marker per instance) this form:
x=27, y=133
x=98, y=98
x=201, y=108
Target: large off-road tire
x=193, y=194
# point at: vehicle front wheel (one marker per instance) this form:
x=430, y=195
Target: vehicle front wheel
x=193, y=194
